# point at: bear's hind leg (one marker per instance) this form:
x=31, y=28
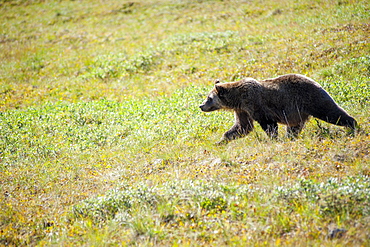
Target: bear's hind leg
x=293, y=131
x=271, y=128
x=327, y=110
x=338, y=117
x=347, y=121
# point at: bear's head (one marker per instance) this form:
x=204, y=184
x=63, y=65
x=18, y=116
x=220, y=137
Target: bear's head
x=216, y=97
x=230, y=95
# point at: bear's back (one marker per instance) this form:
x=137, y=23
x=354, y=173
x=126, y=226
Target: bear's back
x=293, y=90
x=290, y=80
x=293, y=86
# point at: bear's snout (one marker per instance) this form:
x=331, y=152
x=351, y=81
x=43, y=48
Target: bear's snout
x=202, y=107
x=208, y=108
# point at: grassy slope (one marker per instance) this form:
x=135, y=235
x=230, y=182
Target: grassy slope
x=102, y=141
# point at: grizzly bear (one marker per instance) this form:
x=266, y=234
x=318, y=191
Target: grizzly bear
x=288, y=99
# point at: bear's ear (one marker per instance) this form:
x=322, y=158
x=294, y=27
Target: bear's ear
x=220, y=89
x=217, y=81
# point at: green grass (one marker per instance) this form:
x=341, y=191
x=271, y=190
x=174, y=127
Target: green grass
x=102, y=141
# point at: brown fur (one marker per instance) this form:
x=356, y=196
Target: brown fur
x=288, y=99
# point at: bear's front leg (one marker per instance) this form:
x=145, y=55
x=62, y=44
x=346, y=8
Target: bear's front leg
x=242, y=126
